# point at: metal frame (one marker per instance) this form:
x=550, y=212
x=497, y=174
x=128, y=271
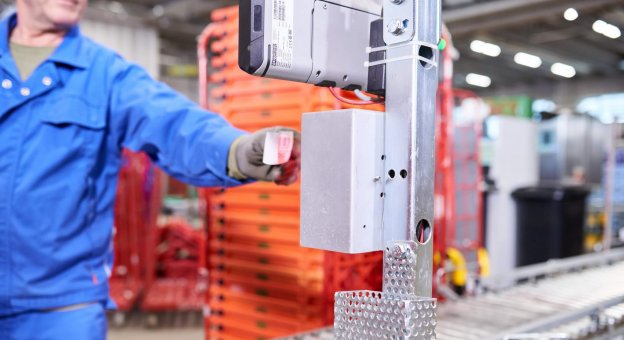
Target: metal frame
x=409, y=164
x=410, y=137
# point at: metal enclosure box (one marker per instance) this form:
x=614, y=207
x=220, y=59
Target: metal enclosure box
x=341, y=185
x=569, y=144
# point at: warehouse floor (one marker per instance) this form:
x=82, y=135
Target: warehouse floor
x=156, y=334
x=163, y=326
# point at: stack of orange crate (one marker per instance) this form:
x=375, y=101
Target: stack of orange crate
x=262, y=283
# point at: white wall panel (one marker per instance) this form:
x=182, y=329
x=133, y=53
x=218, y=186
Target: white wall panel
x=136, y=43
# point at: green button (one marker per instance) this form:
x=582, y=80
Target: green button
x=442, y=44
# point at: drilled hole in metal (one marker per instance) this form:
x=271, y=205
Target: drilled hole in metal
x=423, y=231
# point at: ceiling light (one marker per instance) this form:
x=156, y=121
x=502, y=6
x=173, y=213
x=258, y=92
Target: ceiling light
x=563, y=70
x=478, y=80
x=528, y=60
x=158, y=11
x=606, y=29
x=116, y=7
x=486, y=48
x=570, y=14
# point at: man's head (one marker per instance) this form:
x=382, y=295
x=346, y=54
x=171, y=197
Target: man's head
x=51, y=14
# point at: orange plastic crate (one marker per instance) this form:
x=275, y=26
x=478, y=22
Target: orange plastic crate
x=293, y=318
x=265, y=216
x=296, y=259
x=298, y=279
x=229, y=76
x=270, y=242
x=287, y=275
x=302, y=306
x=255, y=328
x=254, y=243
x=265, y=187
x=262, y=199
x=227, y=58
x=267, y=87
x=262, y=117
x=236, y=232
x=224, y=59
x=308, y=271
x=253, y=126
x=260, y=279
x=226, y=13
x=282, y=250
x=276, y=102
x=301, y=293
x=271, y=324
x=226, y=44
x=216, y=334
x=257, y=214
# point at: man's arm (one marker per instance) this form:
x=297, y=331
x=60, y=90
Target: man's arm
x=187, y=142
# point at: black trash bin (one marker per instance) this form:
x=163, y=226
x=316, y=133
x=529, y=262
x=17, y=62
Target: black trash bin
x=550, y=222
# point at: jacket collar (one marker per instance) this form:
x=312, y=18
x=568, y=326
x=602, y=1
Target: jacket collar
x=71, y=51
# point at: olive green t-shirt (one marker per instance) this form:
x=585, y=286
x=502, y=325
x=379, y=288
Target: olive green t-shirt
x=28, y=58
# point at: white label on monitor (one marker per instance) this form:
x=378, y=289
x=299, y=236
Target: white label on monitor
x=282, y=48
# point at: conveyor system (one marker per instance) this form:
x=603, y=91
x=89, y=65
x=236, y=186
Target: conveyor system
x=577, y=298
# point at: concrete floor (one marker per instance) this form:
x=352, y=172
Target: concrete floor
x=160, y=326
x=156, y=334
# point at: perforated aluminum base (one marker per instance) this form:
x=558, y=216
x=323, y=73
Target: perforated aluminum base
x=397, y=313
x=400, y=271
x=373, y=315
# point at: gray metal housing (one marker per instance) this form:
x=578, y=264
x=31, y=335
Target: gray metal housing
x=572, y=143
x=318, y=42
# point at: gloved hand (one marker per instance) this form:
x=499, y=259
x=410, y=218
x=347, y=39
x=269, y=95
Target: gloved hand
x=245, y=159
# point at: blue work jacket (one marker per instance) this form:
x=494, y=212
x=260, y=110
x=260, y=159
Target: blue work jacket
x=61, y=136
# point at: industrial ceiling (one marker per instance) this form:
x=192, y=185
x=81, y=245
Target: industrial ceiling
x=534, y=27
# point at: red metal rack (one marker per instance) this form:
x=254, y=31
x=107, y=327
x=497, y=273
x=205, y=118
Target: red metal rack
x=136, y=211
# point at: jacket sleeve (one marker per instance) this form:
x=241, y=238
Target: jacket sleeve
x=187, y=142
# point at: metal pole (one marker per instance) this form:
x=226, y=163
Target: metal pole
x=410, y=128
x=609, y=183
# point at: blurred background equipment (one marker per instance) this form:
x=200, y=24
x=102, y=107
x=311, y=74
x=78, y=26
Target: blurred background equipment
x=511, y=161
x=550, y=223
x=572, y=150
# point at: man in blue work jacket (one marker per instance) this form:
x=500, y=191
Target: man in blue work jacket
x=67, y=107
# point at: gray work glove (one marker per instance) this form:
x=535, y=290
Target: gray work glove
x=245, y=159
